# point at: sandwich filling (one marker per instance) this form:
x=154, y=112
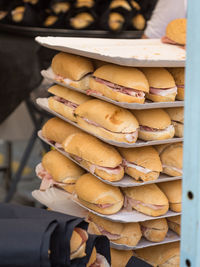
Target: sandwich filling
x=116, y=170
x=106, y=233
x=121, y=89
x=99, y=261
x=68, y=81
x=163, y=91
x=130, y=203
x=167, y=40
x=102, y=206
x=149, y=129
x=47, y=179
x=145, y=230
x=129, y=164
x=130, y=137
x=173, y=168
x=66, y=102
x=84, y=237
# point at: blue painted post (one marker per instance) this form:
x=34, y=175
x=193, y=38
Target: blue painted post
x=190, y=243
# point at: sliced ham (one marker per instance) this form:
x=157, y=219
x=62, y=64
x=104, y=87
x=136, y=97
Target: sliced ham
x=173, y=168
x=115, y=170
x=66, y=102
x=167, y=40
x=135, y=166
x=121, y=89
x=47, y=179
x=100, y=261
x=129, y=203
x=106, y=233
x=163, y=91
x=181, y=86
x=130, y=137
x=149, y=129
x=104, y=206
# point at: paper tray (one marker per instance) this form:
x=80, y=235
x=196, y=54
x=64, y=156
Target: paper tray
x=43, y=103
x=126, y=217
x=60, y=201
x=136, y=52
x=171, y=237
x=48, y=74
x=127, y=181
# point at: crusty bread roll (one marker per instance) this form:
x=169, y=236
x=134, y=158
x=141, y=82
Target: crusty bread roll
x=61, y=7
x=120, y=258
x=120, y=3
x=81, y=20
x=161, y=83
x=57, y=130
x=78, y=243
x=115, y=21
x=177, y=118
x=138, y=22
x=107, y=120
x=126, y=78
x=179, y=77
x=154, y=230
x=65, y=101
x=120, y=233
x=172, y=159
x=155, y=124
x=176, y=31
x=93, y=257
x=141, y=163
x=147, y=199
x=174, y=224
x=71, y=66
x=166, y=255
x=98, y=196
x=173, y=191
x=161, y=148
x=62, y=169
x=100, y=158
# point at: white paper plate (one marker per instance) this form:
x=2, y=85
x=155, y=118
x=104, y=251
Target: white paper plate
x=125, y=216
x=48, y=74
x=136, y=53
x=127, y=181
x=60, y=201
x=43, y=103
x=171, y=237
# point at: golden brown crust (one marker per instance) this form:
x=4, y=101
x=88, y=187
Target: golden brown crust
x=175, y=224
x=159, y=77
x=125, y=76
x=176, y=31
x=112, y=94
x=115, y=21
x=173, y=191
x=61, y=168
x=176, y=114
x=81, y=20
x=77, y=248
x=155, y=230
x=159, y=255
x=58, y=130
x=180, y=94
x=92, y=190
x=146, y=157
x=138, y=175
x=93, y=150
x=61, y=109
x=92, y=257
x=178, y=74
x=154, y=118
x=120, y=258
x=120, y=3
x=71, y=66
x=179, y=128
x=159, y=98
x=67, y=94
x=160, y=135
x=139, y=22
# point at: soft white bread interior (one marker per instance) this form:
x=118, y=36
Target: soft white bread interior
x=120, y=233
x=174, y=224
x=58, y=130
x=120, y=258
x=166, y=255
x=61, y=168
x=93, y=193
x=172, y=159
x=146, y=157
x=71, y=66
x=155, y=230
x=78, y=243
x=147, y=199
x=173, y=191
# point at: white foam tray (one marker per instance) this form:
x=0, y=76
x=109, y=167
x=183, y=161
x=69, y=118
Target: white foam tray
x=127, y=181
x=170, y=237
x=48, y=74
x=43, y=103
x=136, y=52
x=60, y=201
x=125, y=216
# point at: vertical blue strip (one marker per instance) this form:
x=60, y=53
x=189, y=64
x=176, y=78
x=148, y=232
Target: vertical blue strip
x=190, y=240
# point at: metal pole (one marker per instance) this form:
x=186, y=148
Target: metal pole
x=190, y=239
